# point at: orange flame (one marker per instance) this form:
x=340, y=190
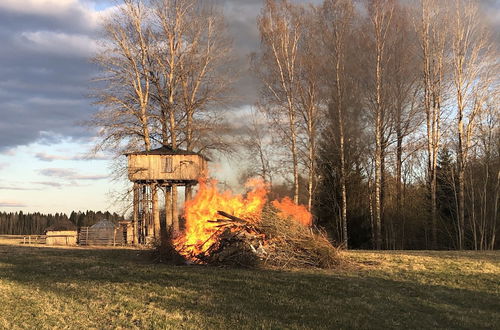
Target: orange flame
x=200, y=233
x=288, y=208
x=208, y=201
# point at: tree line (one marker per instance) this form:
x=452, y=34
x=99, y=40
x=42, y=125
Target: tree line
x=386, y=113
x=380, y=115
x=19, y=223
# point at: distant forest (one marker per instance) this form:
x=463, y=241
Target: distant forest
x=20, y=223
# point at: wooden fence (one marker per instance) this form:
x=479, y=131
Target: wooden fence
x=23, y=239
x=34, y=239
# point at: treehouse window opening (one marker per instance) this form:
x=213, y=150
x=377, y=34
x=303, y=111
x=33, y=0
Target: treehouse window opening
x=168, y=167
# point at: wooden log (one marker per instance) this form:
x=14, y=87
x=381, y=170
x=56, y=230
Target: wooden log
x=232, y=217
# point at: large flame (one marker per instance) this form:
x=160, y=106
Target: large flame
x=198, y=212
x=288, y=208
x=204, y=206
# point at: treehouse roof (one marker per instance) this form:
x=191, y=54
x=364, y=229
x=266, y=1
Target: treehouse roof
x=166, y=150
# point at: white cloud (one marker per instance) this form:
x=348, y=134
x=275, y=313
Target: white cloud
x=58, y=43
x=48, y=183
x=49, y=157
x=16, y=188
x=38, y=6
x=56, y=9
x=70, y=174
x=45, y=101
x=4, y=203
x=8, y=152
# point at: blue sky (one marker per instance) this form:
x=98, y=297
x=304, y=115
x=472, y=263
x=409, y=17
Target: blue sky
x=54, y=178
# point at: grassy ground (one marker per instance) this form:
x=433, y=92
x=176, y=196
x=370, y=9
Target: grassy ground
x=42, y=287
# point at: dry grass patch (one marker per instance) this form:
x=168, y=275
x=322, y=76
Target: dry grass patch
x=47, y=288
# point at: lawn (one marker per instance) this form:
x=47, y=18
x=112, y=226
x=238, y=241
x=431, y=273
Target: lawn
x=77, y=288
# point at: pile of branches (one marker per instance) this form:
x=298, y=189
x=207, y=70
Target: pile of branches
x=272, y=241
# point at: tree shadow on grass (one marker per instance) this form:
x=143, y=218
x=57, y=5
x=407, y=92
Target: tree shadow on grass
x=238, y=297
x=490, y=256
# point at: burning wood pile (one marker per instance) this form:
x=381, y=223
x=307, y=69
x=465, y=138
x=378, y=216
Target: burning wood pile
x=223, y=229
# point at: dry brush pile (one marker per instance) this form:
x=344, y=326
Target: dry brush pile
x=270, y=241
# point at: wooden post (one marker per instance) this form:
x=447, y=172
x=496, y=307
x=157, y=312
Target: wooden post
x=175, y=209
x=166, y=224
x=136, y=215
x=144, y=213
x=156, y=212
x=168, y=207
x=188, y=194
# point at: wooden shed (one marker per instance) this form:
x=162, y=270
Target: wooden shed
x=63, y=232
x=166, y=164
x=102, y=233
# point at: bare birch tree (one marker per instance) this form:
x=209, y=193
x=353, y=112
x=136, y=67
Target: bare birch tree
x=432, y=34
x=473, y=61
x=190, y=74
x=380, y=14
x=171, y=18
x=489, y=145
x=281, y=31
x=403, y=92
x=124, y=92
x=258, y=145
x=336, y=22
x=310, y=98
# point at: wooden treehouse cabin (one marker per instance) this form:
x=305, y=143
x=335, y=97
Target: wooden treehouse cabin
x=163, y=169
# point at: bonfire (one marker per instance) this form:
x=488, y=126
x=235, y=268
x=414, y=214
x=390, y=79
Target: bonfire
x=223, y=228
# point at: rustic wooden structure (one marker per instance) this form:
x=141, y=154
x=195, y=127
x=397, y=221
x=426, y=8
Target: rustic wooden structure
x=127, y=229
x=102, y=233
x=162, y=169
x=61, y=233
x=34, y=239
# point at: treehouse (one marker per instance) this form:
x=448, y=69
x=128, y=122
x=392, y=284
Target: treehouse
x=166, y=165
x=162, y=169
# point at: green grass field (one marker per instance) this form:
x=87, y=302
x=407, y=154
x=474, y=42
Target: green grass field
x=55, y=288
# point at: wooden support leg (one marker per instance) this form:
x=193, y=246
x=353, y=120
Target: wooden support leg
x=147, y=216
x=156, y=212
x=175, y=209
x=188, y=194
x=136, y=215
x=168, y=207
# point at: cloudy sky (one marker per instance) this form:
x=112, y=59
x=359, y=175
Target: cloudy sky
x=44, y=78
